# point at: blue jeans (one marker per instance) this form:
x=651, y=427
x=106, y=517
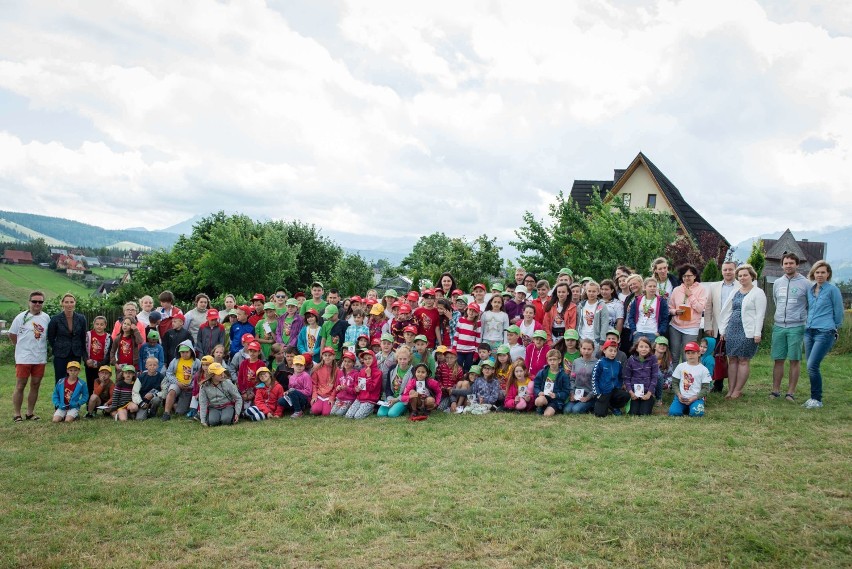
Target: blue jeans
x=465, y=360
x=579, y=407
x=695, y=409
x=817, y=345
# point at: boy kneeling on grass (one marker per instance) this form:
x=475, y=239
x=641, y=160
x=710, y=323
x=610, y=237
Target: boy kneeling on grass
x=551, y=386
x=146, y=390
x=102, y=391
x=693, y=383
x=69, y=395
x=219, y=401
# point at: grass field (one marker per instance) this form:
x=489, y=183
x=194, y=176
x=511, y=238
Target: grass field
x=17, y=281
x=755, y=483
x=108, y=273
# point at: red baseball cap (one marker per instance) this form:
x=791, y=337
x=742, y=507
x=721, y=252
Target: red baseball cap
x=691, y=347
x=404, y=309
x=347, y=355
x=473, y=306
x=371, y=301
x=479, y=285
x=376, y=341
x=253, y=346
x=610, y=344
x=412, y=329
x=247, y=338
x=428, y=292
x=328, y=351
x=367, y=353
x=299, y=294
x=356, y=298
x=212, y=314
x=312, y=311
x=309, y=358
x=457, y=292
x=258, y=296
x=245, y=308
x=412, y=296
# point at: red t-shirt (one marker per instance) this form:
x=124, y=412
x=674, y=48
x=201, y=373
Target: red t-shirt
x=97, y=347
x=69, y=390
x=125, y=351
x=427, y=321
x=247, y=374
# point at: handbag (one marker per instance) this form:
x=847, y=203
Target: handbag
x=720, y=370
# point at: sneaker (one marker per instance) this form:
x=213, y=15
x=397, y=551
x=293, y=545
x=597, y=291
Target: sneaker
x=459, y=410
x=617, y=412
x=88, y=416
x=166, y=417
x=774, y=395
x=192, y=413
x=296, y=415
x=812, y=404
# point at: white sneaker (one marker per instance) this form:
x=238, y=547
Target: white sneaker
x=459, y=410
x=812, y=404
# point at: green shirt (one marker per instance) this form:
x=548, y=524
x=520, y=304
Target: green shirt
x=320, y=306
x=261, y=330
x=285, y=338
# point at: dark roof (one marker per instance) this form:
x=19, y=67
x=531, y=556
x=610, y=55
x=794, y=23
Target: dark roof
x=809, y=252
x=786, y=243
x=685, y=213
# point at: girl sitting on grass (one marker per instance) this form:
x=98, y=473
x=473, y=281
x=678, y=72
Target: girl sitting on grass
x=460, y=393
x=395, y=383
x=324, y=377
x=551, y=386
x=519, y=389
x=665, y=368
x=640, y=377
x=267, y=392
x=344, y=386
x=422, y=393
x=219, y=402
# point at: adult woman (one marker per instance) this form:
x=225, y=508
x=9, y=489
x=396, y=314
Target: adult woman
x=197, y=316
x=666, y=283
x=66, y=334
x=447, y=284
x=146, y=303
x=130, y=310
x=530, y=281
x=741, y=326
x=613, y=305
x=686, y=303
x=560, y=313
x=633, y=286
x=825, y=317
x=230, y=304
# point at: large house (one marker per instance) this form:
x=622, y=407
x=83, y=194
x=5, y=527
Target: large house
x=15, y=257
x=643, y=185
x=808, y=253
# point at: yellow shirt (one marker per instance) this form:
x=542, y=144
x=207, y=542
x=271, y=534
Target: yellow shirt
x=183, y=373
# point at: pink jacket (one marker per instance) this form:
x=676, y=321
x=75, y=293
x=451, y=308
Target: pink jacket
x=302, y=382
x=374, y=384
x=348, y=382
x=431, y=385
x=697, y=301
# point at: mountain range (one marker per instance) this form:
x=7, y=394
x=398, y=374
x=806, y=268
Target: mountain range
x=838, y=247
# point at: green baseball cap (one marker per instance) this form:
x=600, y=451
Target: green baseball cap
x=269, y=306
x=540, y=334
x=420, y=338
x=184, y=348
x=330, y=310
x=387, y=337
x=514, y=329
x=128, y=367
x=475, y=369
x=291, y=302
x=489, y=362
x=498, y=287
x=613, y=331
x=661, y=340
x=504, y=349
x=153, y=335
x=391, y=292
x=232, y=312
x=570, y=335
x=565, y=271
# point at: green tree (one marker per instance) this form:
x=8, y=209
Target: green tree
x=711, y=272
x=468, y=261
x=40, y=250
x=595, y=241
x=352, y=275
x=757, y=258
x=318, y=256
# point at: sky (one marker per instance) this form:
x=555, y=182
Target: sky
x=401, y=118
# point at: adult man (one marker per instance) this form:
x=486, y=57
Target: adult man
x=719, y=293
x=29, y=336
x=520, y=274
x=791, y=314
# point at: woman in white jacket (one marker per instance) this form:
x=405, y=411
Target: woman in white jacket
x=741, y=325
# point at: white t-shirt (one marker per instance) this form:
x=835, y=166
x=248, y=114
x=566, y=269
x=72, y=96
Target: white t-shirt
x=647, y=318
x=31, y=330
x=586, y=320
x=527, y=330
x=690, y=378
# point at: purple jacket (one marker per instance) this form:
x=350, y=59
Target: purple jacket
x=302, y=382
x=641, y=372
x=295, y=328
x=514, y=310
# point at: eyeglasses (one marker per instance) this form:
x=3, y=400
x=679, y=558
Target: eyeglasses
x=37, y=301
x=280, y=296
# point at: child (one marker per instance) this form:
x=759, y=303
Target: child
x=495, y=321
x=519, y=388
x=267, y=392
x=648, y=314
x=251, y=410
x=200, y=377
x=569, y=346
x=708, y=359
x=536, y=357
x=218, y=354
x=122, y=396
x=449, y=373
x=289, y=324
x=368, y=389
x=316, y=302
x=152, y=349
x=422, y=393
x=400, y=322
x=282, y=370
x=483, y=352
x=146, y=390
x=178, y=382
x=693, y=382
x=219, y=402
x=323, y=378
x=503, y=367
x=460, y=393
x=468, y=336
x=167, y=311
x=486, y=389
x=153, y=323
x=358, y=329
x=69, y=395
x=239, y=329
x=333, y=331
x=580, y=398
x=409, y=333
x=174, y=338
x=102, y=395
x=266, y=328
x=298, y=395
x=615, y=336
x=421, y=354
x=247, y=374
x=517, y=351
x=309, y=336
x=592, y=315
x=427, y=319
x=394, y=383
x=640, y=377
x=606, y=383
x=362, y=343
x=98, y=344
x=664, y=363
x=551, y=386
x=344, y=387
x=210, y=334
x=125, y=347
x=377, y=320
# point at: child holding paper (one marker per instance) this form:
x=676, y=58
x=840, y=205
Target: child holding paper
x=640, y=377
x=581, y=399
x=551, y=386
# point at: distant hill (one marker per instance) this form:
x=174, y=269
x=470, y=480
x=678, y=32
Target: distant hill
x=839, y=250
x=58, y=232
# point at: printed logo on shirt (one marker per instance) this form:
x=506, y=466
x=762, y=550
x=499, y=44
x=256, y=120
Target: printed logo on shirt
x=38, y=330
x=688, y=380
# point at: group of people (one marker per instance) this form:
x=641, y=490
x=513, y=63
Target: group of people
x=573, y=346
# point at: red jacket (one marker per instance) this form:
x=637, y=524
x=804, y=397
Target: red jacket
x=323, y=382
x=431, y=385
x=550, y=316
x=536, y=359
x=266, y=399
x=374, y=384
x=445, y=376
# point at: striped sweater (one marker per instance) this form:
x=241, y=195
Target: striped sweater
x=468, y=335
x=122, y=394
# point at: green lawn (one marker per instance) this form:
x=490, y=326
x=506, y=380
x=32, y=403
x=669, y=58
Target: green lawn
x=755, y=483
x=17, y=281
x=108, y=273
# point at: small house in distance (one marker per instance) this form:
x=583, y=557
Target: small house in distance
x=808, y=253
x=14, y=257
x=643, y=185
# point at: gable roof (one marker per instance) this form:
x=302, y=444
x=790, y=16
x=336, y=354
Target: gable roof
x=784, y=244
x=18, y=256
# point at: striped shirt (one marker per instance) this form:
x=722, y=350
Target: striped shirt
x=468, y=335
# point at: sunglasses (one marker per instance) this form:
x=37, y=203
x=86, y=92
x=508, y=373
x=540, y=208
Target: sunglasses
x=37, y=301
x=280, y=296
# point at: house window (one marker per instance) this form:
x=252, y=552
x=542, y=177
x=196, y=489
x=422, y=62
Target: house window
x=652, y=201
x=626, y=198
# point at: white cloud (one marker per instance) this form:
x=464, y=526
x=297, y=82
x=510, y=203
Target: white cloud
x=424, y=117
